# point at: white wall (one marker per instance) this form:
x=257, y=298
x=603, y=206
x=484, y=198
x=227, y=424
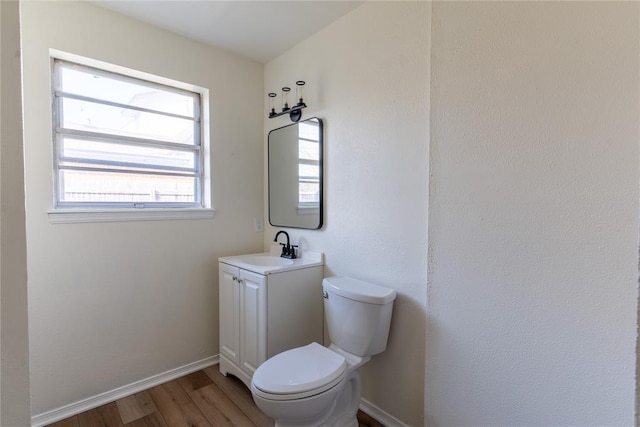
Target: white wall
x=533, y=201
x=14, y=364
x=533, y=222
x=367, y=78
x=533, y=213
x=119, y=302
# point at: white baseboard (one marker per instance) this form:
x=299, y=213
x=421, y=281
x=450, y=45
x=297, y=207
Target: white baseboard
x=83, y=405
x=381, y=416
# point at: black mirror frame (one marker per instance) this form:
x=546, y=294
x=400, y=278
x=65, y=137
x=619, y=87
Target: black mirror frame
x=321, y=174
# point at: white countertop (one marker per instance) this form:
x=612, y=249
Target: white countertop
x=306, y=259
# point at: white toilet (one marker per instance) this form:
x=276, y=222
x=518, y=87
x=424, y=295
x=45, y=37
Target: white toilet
x=317, y=386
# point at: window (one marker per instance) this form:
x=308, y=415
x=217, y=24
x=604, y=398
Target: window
x=308, y=166
x=124, y=142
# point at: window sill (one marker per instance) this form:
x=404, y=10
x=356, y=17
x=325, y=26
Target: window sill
x=308, y=210
x=68, y=216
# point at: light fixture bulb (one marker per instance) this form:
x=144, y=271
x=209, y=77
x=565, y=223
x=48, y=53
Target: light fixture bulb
x=285, y=98
x=272, y=103
x=300, y=91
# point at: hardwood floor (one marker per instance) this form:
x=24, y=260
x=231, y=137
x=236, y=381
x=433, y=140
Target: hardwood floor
x=203, y=399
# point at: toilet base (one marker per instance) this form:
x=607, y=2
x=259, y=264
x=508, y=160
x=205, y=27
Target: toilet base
x=341, y=412
x=352, y=423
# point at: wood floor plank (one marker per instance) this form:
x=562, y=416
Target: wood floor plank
x=69, y=422
x=219, y=409
x=240, y=395
x=136, y=406
x=194, y=381
x=365, y=420
x=103, y=416
x=177, y=393
x=152, y=420
x=176, y=407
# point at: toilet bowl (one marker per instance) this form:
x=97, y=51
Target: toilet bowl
x=300, y=385
x=314, y=386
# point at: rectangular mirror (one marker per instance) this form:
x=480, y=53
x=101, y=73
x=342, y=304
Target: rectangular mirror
x=295, y=175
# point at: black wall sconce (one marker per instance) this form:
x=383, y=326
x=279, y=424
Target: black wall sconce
x=294, y=112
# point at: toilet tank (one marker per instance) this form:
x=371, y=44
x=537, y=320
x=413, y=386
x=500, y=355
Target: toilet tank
x=358, y=314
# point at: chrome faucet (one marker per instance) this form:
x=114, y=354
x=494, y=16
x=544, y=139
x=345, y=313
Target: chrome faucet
x=288, y=250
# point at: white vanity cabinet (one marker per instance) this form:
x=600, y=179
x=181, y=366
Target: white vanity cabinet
x=265, y=310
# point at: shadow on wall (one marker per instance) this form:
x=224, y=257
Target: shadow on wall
x=398, y=387
x=382, y=377
x=430, y=333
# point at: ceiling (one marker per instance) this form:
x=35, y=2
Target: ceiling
x=260, y=30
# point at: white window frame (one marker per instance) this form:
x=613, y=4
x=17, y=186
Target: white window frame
x=64, y=212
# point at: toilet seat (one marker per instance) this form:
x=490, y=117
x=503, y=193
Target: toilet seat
x=299, y=373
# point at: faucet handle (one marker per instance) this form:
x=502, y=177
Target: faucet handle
x=293, y=251
x=284, y=249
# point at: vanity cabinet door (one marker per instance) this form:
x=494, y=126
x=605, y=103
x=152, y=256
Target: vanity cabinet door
x=266, y=313
x=253, y=321
x=230, y=312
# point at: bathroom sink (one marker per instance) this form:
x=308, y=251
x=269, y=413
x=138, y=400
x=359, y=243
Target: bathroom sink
x=266, y=261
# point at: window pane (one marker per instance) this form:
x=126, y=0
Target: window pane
x=78, y=150
x=109, y=153
x=106, y=187
x=93, y=117
x=308, y=130
x=84, y=81
x=308, y=171
x=309, y=192
x=308, y=150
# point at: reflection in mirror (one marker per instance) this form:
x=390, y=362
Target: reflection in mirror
x=295, y=175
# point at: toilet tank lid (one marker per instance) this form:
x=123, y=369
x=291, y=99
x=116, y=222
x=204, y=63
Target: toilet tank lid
x=358, y=290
